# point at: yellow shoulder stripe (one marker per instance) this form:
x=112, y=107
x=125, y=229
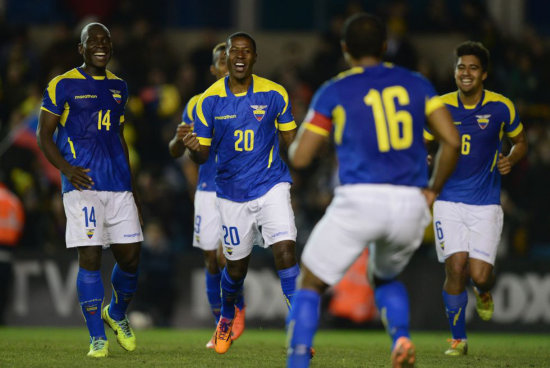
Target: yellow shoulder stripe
x=496, y=97
x=265, y=85
x=347, y=73
x=216, y=89
x=45, y=109
x=111, y=75
x=450, y=99
x=190, y=105
x=433, y=104
x=71, y=74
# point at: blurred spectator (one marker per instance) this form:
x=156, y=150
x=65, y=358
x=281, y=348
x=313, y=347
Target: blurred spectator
x=12, y=219
x=156, y=295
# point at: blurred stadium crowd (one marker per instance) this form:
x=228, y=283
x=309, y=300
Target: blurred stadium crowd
x=160, y=83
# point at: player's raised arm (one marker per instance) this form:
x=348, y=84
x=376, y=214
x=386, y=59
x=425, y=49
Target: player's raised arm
x=47, y=123
x=442, y=127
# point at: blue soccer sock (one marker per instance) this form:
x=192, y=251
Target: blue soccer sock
x=393, y=302
x=90, y=294
x=302, y=325
x=239, y=303
x=231, y=289
x=213, y=292
x=288, y=282
x=124, y=287
x=455, y=307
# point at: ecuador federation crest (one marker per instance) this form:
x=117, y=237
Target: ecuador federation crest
x=90, y=233
x=116, y=95
x=259, y=111
x=483, y=120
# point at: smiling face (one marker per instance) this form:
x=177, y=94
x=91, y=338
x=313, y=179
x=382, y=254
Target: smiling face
x=469, y=74
x=95, y=47
x=241, y=57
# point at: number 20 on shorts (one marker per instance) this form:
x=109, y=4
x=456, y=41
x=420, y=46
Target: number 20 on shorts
x=230, y=235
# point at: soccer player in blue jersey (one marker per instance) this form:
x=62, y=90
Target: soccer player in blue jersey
x=207, y=218
x=239, y=119
x=86, y=106
x=376, y=113
x=467, y=214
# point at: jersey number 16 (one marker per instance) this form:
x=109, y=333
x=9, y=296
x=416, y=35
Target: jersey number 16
x=394, y=129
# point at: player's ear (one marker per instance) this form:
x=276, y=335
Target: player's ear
x=81, y=49
x=344, y=47
x=484, y=76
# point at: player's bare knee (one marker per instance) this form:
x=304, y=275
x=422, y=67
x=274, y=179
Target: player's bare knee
x=211, y=262
x=284, y=253
x=89, y=258
x=483, y=278
x=308, y=280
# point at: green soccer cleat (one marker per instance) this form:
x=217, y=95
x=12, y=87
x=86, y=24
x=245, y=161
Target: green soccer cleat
x=484, y=304
x=99, y=348
x=124, y=333
x=458, y=347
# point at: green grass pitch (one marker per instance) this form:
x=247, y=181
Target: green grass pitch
x=67, y=347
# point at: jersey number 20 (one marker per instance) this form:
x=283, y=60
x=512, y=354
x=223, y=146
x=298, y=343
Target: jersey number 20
x=393, y=127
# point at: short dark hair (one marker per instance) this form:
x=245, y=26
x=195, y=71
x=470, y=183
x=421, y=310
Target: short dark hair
x=364, y=35
x=474, y=48
x=218, y=48
x=86, y=28
x=242, y=34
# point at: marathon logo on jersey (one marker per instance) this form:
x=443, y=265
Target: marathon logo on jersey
x=116, y=95
x=80, y=97
x=259, y=111
x=90, y=233
x=483, y=120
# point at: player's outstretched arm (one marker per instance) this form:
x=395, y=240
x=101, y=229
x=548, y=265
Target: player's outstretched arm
x=305, y=147
x=518, y=151
x=47, y=123
x=176, y=146
x=442, y=127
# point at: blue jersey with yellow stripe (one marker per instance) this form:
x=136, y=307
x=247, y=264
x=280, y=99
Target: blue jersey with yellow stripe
x=207, y=171
x=377, y=116
x=91, y=110
x=476, y=179
x=242, y=130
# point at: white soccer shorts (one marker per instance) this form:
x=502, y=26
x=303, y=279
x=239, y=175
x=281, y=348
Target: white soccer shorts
x=241, y=221
x=207, y=221
x=474, y=229
x=101, y=218
x=389, y=219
